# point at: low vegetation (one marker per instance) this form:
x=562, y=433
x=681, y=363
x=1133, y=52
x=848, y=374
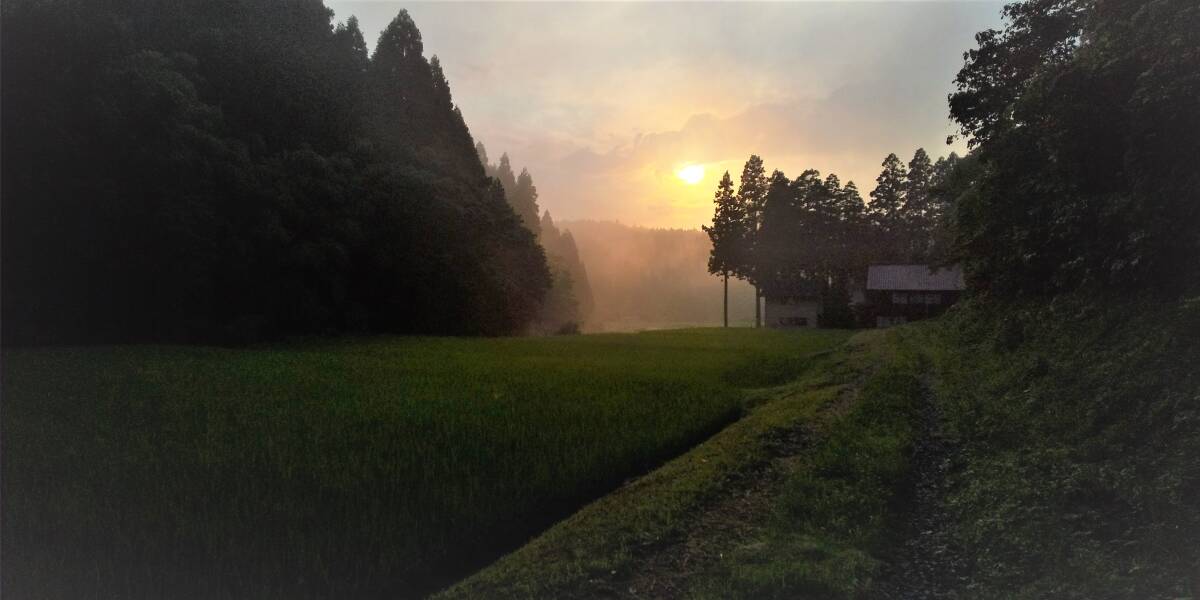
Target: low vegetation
x=835, y=508
x=1060, y=447
x=372, y=466
x=1079, y=431
x=796, y=498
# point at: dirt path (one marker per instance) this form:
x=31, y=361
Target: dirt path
x=926, y=566
x=731, y=520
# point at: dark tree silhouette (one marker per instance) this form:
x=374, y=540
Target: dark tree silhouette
x=752, y=194
x=730, y=235
x=182, y=171
x=886, y=209
x=1085, y=118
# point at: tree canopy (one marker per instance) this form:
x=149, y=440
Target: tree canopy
x=198, y=171
x=1084, y=116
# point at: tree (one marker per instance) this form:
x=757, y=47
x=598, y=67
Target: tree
x=779, y=263
x=504, y=173
x=564, y=260
x=752, y=194
x=885, y=210
x=524, y=201
x=559, y=246
x=917, y=212
x=276, y=180
x=1084, y=116
x=854, y=245
x=728, y=235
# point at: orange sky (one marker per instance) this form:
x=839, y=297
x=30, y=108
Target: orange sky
x=604, y=102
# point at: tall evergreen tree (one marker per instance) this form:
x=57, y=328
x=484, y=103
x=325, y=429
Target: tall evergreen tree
x=729, y=236
x=752, y=194
x=780, y=239
x=918, y=212
x=504, y=173
x=524, y=201
x=563, y=257
x=885, y=210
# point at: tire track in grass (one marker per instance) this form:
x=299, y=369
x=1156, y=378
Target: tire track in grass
x=732, y=519
x=927, y=565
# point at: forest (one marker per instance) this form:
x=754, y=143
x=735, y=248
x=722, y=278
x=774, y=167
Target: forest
x=238, y=171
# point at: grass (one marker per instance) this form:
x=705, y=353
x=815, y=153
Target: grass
x=826, y=508
x=390, y=466
x=349, y=468
x=1072, y=431
x=1079, y=426
x=834, y=511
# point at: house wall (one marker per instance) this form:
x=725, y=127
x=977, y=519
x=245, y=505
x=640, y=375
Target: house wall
x=894, y=307
x=791, y=313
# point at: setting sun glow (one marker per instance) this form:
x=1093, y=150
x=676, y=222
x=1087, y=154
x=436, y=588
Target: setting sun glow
x=691, y=174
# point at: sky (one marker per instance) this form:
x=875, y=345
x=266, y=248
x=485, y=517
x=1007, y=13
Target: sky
x=606, y=103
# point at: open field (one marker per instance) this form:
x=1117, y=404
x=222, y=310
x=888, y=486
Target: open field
x=372, y=466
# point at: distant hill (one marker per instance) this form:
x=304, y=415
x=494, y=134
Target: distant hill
x=645, y=278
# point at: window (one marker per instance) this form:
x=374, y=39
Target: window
x=933, y=298
x=899, y=298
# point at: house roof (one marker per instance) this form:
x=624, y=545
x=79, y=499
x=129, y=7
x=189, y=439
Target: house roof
x=914, y=278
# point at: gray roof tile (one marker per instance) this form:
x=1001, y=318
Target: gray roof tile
x=914, y=278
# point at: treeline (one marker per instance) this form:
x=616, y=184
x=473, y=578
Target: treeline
x=569, y=302
x=1084, y=117
x=241, y=170
x=812, y=236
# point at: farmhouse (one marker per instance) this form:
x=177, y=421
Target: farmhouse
x=798, y=305
x=784, y=312
x=897, y=294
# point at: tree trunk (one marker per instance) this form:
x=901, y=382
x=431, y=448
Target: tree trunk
x=757, y=307
x=726, y=298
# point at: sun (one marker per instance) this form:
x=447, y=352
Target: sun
x=691, y=174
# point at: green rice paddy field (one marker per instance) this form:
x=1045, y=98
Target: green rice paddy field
x=369, y=467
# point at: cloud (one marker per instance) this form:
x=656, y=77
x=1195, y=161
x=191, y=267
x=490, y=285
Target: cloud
x=603, y=102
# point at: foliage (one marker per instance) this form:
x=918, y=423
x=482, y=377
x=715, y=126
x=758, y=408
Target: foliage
x=812, y=237
x=1085, y=117
x=1079, y=426
x=752, y=196
x=569, y=301
x=233, y=171
x=886, y=208
x=357, y=468
x=730, y=231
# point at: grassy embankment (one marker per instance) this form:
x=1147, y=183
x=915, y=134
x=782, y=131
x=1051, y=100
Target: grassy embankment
x=351, y=468
x=1074, y=472
x=1078, y=426
x=794, y=499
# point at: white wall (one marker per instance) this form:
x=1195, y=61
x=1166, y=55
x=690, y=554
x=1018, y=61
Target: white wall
x=802, y=313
